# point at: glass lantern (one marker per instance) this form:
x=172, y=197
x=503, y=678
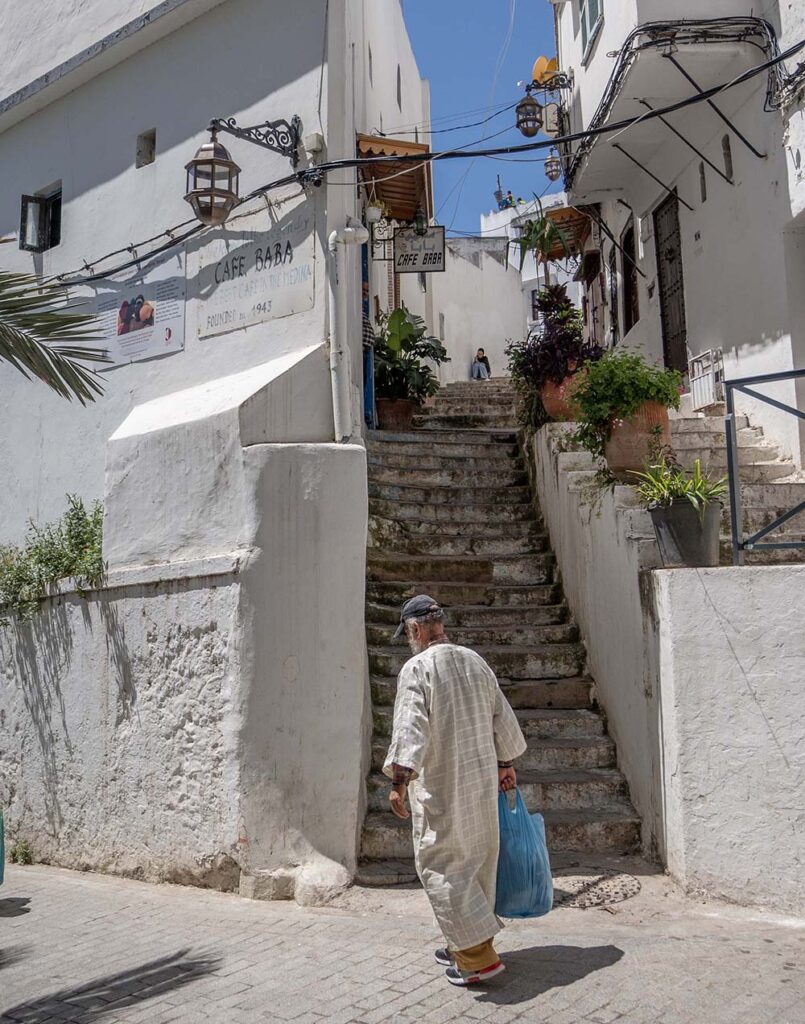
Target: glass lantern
x=529, y=116
x=553, y=167
x=212, y=183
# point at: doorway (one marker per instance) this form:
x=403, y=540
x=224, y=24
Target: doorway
x=671, y=285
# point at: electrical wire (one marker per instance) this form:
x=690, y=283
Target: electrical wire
x=316, y=174
x=407, y=129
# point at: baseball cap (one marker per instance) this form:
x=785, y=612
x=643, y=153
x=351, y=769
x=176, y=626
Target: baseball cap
x=413, y=608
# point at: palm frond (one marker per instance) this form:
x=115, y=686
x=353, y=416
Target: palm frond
x=44, y=336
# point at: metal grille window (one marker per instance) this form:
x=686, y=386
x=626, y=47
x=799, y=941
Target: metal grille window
x=40, y=221
x=591, y=16
x=535, y=303
x=631, y=302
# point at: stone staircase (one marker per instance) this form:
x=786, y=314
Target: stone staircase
x=770, y=483
x=452, y=515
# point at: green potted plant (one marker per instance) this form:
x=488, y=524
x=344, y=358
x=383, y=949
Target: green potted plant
x=553, y=353
x=402, y=380
x=622, y=405
x=685, y=507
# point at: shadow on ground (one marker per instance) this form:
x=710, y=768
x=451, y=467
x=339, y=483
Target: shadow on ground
x=15, y=906
x=9, y=957
x=534, y=971
x=109, y=994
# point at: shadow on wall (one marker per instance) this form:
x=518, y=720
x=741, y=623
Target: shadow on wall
x=109, y=994
x=41, y=651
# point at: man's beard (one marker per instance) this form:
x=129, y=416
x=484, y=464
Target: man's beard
x=417, y=646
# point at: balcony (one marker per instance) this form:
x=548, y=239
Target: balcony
x=658, y=66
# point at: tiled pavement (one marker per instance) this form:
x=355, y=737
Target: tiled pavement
x=89, y=948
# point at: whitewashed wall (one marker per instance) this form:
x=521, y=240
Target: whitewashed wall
x=87, y=139
x=731, y=665
x=699, y=673
x=478, y=301
x=742, y=250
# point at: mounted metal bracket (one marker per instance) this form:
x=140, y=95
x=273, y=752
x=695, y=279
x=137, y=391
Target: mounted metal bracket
x=279, y=136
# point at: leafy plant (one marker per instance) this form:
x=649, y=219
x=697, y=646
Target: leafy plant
x=72, y=547
x=664, y=482
x=21, y=853
x=401, y=345
x=553, y=350
x=43, y=336
x=540, y=236
x=614, y=388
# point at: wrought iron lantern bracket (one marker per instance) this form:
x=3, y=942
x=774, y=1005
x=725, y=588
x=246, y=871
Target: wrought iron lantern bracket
x=280, y=136
x=561, y=80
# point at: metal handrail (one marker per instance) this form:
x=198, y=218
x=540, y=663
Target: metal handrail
x=739, y=545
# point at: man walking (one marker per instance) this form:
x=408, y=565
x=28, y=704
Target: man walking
x=455, y=738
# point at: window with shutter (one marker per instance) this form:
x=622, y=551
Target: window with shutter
x=591, y=16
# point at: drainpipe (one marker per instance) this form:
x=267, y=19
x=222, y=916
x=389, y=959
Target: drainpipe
x=340, y=377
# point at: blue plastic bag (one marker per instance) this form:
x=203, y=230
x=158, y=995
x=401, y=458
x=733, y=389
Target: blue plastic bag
x=524, y=886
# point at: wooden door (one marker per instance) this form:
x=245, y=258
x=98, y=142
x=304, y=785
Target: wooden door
x=671, y=284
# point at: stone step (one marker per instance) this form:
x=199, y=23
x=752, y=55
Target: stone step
x=486, y=436
x=613, y=828
x=477, y=636
x=704, y=424
x=546, y=757
x=755, y=517
x=489, y=530
x=394, y=592
x=536, y=723
x=514, y=495
x=482, y=453
x=683, y=440
x=477, y=615
x=480, y=547
x=758, y=472
x=438, y=512
x=487, y=399
x=547, y=661
x=569, y=693
x=518, y=569
x=419, y=457
x=464, y=421
x=504, y=406
x=488, y=479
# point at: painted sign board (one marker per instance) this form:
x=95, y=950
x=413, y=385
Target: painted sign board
x=258, y=268
x=419, y=254
x=142, y=315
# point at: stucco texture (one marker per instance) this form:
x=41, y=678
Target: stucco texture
x=732, y=665
x=117, y=722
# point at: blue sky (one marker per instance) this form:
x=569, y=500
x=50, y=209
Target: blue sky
x=458, y=46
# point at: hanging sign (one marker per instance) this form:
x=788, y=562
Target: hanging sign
x=257, y=269
x=419, y=254
x=143, y=315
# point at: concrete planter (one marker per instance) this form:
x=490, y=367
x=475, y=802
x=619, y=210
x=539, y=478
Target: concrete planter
x=685, y=537
x=630, y=441
x=395, y=413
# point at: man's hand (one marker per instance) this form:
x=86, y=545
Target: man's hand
x=397, y=800
x=507, y=779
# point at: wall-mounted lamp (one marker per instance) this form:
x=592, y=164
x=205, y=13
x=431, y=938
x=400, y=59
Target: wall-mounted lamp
x=529, y=115
x=212, y=174
x=420, y=222
x=553, y=167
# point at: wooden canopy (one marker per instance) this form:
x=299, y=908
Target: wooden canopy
x=404, y=193
x=575, y=226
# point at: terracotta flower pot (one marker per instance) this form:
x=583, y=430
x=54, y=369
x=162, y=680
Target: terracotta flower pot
x=395, y=413
x=557, y=399
x=630, y=442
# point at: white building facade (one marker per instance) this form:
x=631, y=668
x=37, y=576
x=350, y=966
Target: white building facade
x=699, y=242
x=181, y=719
